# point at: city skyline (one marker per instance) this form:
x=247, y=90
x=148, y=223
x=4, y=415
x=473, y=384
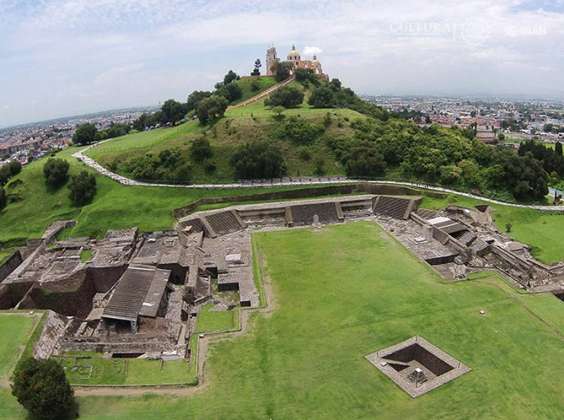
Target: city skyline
x=69, y=57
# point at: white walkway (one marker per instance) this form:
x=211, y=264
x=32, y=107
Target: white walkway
x=304, y=182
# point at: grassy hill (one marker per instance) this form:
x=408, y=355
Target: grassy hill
x=252, y=86
x=239, y=126
x=34, y=206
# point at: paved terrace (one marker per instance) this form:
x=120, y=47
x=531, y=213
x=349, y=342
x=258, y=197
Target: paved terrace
x=286, y=182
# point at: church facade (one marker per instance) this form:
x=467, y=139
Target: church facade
x=295, y=58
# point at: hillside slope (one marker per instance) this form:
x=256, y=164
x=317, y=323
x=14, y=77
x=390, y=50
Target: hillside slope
x=254, y=122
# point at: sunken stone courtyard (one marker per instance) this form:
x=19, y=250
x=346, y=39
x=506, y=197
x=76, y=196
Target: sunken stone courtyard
x=417, y=366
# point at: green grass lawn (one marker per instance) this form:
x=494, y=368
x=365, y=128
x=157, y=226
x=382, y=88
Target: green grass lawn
x=210, y=321
x=349, y=290
x=93, y=369
x=114, y=207
x=15, y=331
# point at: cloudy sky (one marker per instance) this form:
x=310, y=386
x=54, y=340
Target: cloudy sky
x=66, y=57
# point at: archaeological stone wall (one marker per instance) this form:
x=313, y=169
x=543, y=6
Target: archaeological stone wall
x=10, y=265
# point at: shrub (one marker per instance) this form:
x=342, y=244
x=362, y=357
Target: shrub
x=56, y=172
x=298, y=130
x=211, y=109
x=43, y=389
x=365, y=161
x=231, y=91
x=323, y=97
x=82, y=188
x=288, y=97
x=258, y=160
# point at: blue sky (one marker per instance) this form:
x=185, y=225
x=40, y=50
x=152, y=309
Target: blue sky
x=65, y=57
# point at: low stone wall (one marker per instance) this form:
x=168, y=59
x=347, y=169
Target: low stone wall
x=10, y=265
x=302, y=193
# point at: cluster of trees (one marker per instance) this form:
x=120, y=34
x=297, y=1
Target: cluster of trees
x=258, y=160
x=552, y=128
x=438, y=155
x=9, y=170
x=82, y=187
x=287, y=97
x=552, y=160
x=168, y=166
x=88, y=133
x=42, y=388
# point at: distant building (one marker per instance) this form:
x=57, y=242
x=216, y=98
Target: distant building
x=295, y=58
x=486, y=134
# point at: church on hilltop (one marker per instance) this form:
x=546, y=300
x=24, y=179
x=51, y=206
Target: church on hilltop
x=295, y=58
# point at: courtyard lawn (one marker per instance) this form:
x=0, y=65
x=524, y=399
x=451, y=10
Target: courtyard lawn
x=15, y=331
x=348, y=290
x=93, y=369
x=210, y=321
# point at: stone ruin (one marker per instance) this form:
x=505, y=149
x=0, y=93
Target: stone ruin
x=140, y=294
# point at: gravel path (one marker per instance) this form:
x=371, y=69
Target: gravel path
x=80, y=155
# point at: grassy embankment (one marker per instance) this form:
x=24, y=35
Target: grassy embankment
x=114, y=207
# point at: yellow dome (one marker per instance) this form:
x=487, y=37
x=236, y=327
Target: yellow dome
x=294, y=53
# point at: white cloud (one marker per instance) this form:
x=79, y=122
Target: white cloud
x=118, y=50
x=312, y=51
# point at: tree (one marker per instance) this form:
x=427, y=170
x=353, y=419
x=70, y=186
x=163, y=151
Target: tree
x=201, y=149
x=258, y=160
x=558, y=148
x=56, y=172
x=172, y=112
x=43, y=389
x=82, y=188
x=211, y=109
x=256, y=70
x=306, y=76
x=9, y=170
x=230, y=77
x=283, y=70
x=85, y=134
x=365, y=161
x=3, y=198
x=287, y=96
x=194, y=99
x=335, y=84
x=231, y=91
x=142, y=122
x=323, y=97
